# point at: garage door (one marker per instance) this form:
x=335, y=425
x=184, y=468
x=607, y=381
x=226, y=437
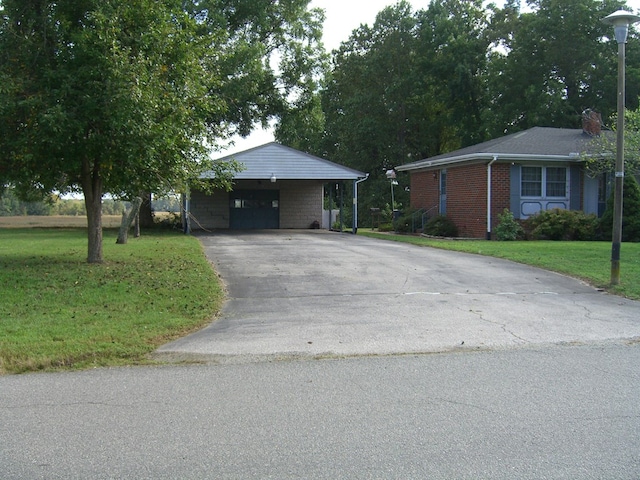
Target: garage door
x=254, y=209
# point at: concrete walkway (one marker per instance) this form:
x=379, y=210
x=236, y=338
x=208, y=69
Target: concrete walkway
x=312, y=294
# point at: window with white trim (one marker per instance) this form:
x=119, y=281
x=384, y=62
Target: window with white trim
x=544, y=182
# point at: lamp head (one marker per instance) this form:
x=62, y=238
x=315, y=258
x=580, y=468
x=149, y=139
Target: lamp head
x=621, y=21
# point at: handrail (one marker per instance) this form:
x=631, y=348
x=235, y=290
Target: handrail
x=424, y=216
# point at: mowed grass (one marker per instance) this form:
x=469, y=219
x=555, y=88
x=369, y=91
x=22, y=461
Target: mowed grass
x=589, y=261
x=57, y=311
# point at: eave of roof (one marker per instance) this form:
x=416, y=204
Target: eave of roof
x=285, y=163
x=485, y=157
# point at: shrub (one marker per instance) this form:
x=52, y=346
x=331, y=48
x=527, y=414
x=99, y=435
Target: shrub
x=508, y=227
x=561, y=224
x=171, y=220
x=405, y=222
x=630, y=212
x=441, y=226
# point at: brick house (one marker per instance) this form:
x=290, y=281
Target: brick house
x=280, y=187
x=525, y=172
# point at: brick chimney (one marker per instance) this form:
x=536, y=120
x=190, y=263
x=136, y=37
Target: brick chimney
x=591, y=123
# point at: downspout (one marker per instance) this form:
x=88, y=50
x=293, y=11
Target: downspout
x=355, y=202
x=495, y=158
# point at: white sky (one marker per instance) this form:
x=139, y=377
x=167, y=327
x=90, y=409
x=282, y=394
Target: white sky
x=342, y=17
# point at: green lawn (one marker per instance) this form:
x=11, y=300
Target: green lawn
x=589, y=261
x=56, y=311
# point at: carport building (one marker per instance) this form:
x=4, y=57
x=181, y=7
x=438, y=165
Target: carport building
x=280, y=187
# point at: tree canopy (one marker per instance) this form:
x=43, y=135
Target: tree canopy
x=131, y=96
x=420, y=83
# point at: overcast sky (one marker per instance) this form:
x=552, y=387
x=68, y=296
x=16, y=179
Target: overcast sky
x=342, y=17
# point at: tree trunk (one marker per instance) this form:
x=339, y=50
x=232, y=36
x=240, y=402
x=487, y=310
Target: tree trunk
x=127, y=220
x=92, y=188
x=136, y=226
x=146, y=213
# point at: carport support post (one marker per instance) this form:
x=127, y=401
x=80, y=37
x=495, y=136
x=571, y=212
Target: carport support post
x=341, y=204
x=330, y=205
x=186, y=221
x=354, y=226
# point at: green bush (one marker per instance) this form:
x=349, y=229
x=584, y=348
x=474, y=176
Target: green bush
x=508, y=227
x=630, y=212
x=441, y=226
x=561, y=224
x=405, y=222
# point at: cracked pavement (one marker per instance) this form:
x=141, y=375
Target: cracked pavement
x=314, y=293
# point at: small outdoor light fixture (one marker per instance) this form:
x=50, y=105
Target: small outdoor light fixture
x=273, y=178
x=620, y=21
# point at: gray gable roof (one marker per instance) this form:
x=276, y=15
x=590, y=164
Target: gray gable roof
x=287, y=164
x=534, y=144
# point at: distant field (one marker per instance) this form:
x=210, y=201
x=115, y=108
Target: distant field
x=62, y=221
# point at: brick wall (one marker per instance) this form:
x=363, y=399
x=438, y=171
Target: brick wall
x=424, y=191
x=467, y=199
x=501, y=191
x=466, y=195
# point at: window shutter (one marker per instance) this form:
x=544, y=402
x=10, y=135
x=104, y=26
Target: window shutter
x=514, y=196
x=575, y=187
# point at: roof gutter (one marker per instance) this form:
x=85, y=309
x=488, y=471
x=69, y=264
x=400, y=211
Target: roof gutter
x=488, y=156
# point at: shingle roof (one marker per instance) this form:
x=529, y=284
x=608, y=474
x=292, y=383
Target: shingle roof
x=537, y=143
x=287, y=164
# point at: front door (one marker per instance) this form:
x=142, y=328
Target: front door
x=254, y=209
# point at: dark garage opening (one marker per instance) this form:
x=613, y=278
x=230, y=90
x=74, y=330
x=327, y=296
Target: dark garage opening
x=254, y=209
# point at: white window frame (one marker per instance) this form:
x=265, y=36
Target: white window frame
x=543, y=186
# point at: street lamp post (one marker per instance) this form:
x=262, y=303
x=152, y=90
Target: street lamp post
x=620, y=21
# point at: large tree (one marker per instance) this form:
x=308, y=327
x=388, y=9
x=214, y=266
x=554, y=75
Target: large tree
x=554, y=61
x=406, y=87
x=130, y=96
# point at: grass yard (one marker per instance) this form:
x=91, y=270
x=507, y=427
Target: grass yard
x=589, y=261
x=57, y=311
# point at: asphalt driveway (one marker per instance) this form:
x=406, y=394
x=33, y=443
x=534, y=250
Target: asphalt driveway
x=316, y=293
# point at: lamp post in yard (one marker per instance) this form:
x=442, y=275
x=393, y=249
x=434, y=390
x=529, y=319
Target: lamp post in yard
x=620, y=21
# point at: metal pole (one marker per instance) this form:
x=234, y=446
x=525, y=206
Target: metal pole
x=393, y=202
x=619, y=171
